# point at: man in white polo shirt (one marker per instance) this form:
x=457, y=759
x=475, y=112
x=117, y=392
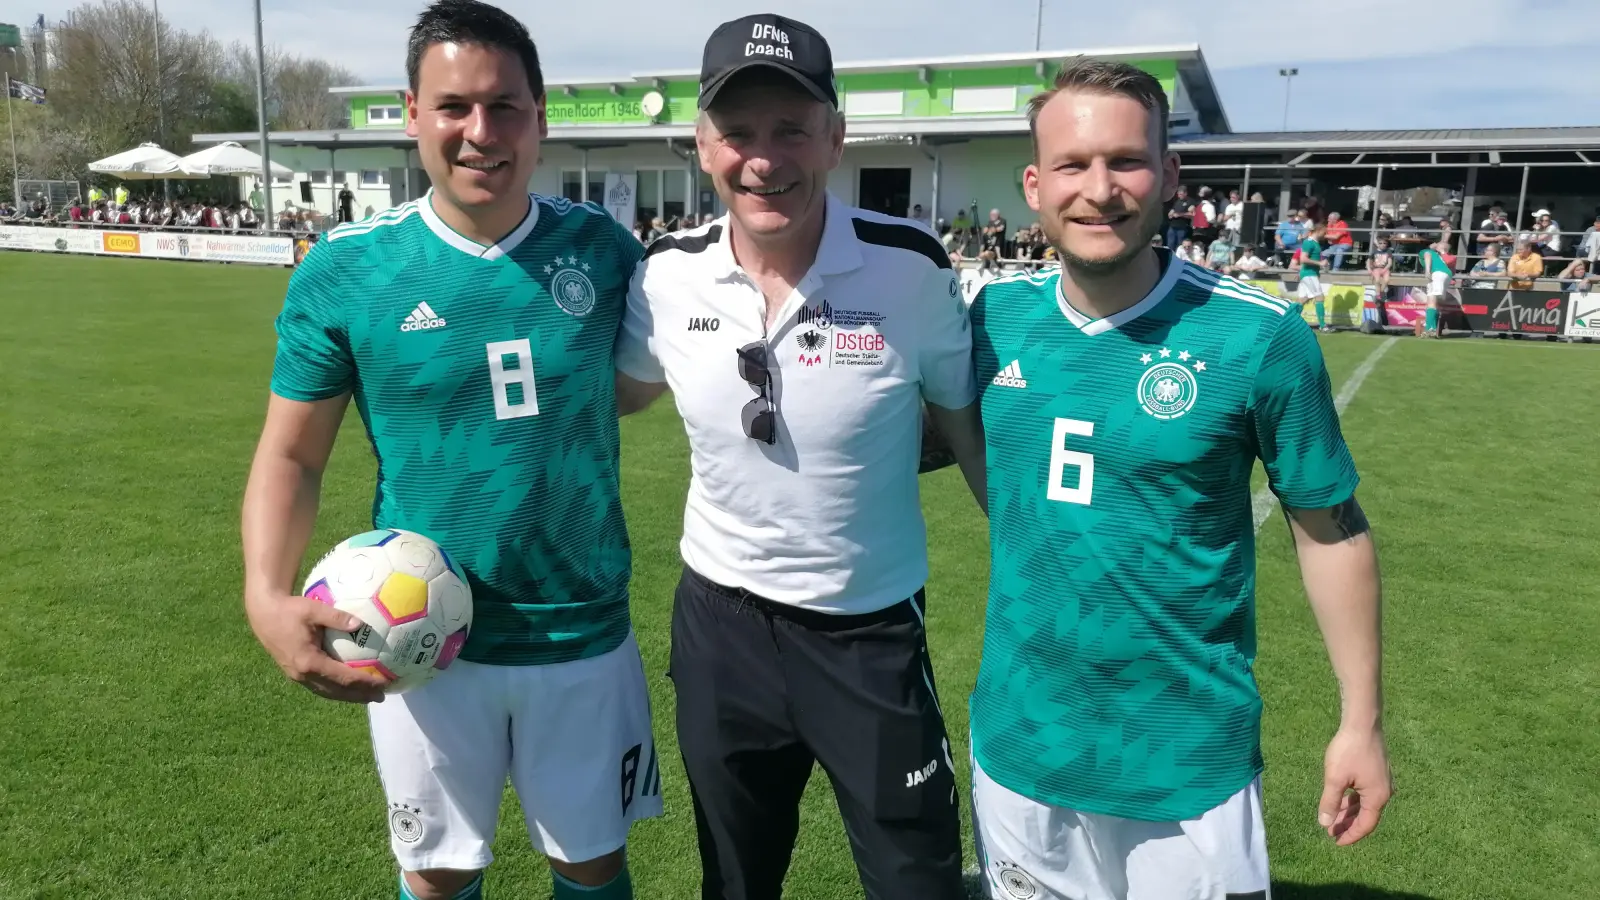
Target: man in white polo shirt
x=800, y=337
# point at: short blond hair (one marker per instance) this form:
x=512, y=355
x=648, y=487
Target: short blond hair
x=1098, y=76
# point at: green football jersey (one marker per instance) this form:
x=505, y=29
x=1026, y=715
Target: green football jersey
x=1310, y=258
x=484, y=377
x=1120, y=634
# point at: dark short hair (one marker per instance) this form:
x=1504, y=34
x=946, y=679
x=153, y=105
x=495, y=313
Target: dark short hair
x=1097, y=76
x=472, y=22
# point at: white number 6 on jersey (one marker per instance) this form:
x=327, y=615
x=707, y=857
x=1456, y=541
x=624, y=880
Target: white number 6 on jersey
x=503, y=378
x=1061, y=457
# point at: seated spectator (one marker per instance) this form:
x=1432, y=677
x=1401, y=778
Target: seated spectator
x=1247, y=264
x=1022, y=243
x=247, y=217
x=1524, y=266
x=286, y=220
x=1491, y=265
x=1545, y=236
x=1408, y=242
x=1339, y=240
x=1219, y=255
x=74, y=212
x=1287, y=237
x=1589, y=245
x=1576, y=277
x=1379, y=264
x=1495, y=231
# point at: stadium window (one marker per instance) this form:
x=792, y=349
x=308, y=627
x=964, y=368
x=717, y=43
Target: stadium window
x=319, y=176
x=374, y=178
x=282, y=180
x=341, y=177
x=572, y=184
x=386, y=115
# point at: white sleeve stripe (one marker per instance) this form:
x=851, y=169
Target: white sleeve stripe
x=1260, y=300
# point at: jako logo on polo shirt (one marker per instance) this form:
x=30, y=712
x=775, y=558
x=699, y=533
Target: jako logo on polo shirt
x=700, y=323
x=768, y=41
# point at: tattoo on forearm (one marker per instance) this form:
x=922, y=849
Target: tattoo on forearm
x=1350, y=520
x=1335, y=524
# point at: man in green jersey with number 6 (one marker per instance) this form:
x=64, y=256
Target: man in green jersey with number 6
x=1126, y=397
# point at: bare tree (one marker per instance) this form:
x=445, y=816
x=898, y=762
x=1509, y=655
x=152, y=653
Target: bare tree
x=301, y=88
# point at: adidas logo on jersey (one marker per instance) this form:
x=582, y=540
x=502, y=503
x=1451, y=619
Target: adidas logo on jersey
x=422, y=318
x=1011, y=376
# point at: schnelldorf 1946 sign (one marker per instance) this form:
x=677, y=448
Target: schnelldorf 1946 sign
x=594, y=111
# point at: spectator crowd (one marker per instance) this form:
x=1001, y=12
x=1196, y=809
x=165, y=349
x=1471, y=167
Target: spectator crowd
x=122, y=211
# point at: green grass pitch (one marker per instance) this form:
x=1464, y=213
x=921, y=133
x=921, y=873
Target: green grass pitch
x=151, y=750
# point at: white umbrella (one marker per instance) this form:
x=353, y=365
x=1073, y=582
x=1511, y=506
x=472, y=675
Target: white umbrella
x=228, y=158
x=146, y=162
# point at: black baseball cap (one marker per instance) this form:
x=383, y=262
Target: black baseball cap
x=793, y=48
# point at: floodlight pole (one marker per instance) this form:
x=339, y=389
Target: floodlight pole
x=261, y=116
x=1038, y=29
x=161, y=101
x=11, y=122
x=1288, y=81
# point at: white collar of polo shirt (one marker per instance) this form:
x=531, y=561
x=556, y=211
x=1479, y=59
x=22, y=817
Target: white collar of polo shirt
x=1163, y=286
x=469, y=246
x=840, y=250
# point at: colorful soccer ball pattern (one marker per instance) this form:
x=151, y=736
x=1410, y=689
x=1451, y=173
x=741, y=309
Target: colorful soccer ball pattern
x=411, y=597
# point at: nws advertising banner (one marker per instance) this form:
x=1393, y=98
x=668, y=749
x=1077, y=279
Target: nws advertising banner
x=199, y=246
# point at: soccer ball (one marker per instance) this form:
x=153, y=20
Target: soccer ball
x=410, y=596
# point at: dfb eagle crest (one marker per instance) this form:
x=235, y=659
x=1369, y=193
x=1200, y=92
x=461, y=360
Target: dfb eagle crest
x=811, y=346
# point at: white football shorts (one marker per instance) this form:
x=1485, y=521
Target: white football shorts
x=574, y=737
x=1310, y=288
x=1031, y=851
x=1437, y=282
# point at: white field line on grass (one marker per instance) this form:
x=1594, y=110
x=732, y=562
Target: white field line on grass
x=1262, y=503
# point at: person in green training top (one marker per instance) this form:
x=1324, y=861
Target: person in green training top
x=1311, y=266
x=1125, y=399
x=473, y=328
x=1437, y=268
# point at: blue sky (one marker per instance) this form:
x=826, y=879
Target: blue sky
x=1363, y=63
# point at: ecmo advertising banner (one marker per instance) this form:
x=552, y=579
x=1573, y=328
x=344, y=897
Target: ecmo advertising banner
x=200, y=246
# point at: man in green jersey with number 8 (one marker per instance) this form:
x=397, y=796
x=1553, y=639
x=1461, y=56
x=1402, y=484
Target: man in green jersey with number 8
x=474, y=330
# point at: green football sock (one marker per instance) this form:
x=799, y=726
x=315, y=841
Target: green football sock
x=618, y=888
x=1321, y=322
x=473, y=891
x=1431, y=320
